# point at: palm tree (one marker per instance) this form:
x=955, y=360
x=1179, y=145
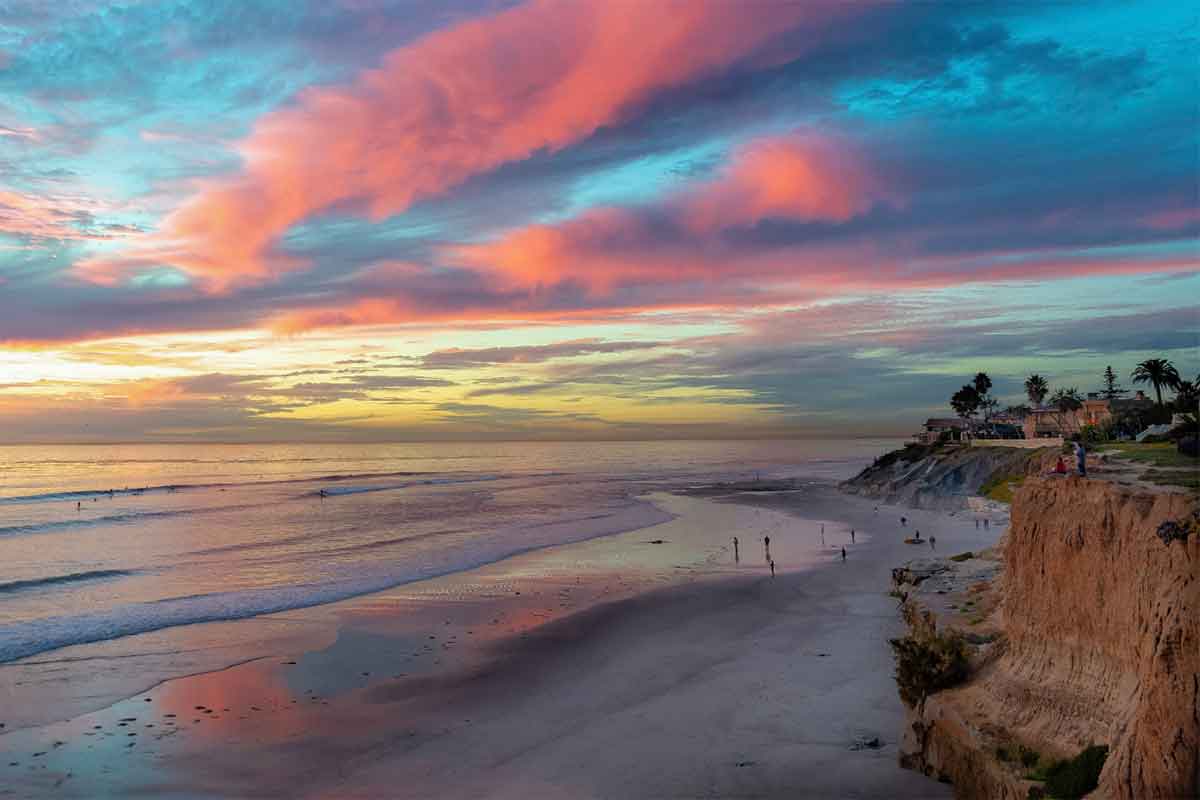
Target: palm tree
x=1036, y=388
x=1187, y=394
x=1066, y=402
x=1158, y=372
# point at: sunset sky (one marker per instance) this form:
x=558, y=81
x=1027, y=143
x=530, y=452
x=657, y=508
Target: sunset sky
x=421, y=219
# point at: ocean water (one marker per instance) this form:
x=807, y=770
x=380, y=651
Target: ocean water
x=103, y=541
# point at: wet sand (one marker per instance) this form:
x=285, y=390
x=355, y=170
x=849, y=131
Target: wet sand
x=646, y=664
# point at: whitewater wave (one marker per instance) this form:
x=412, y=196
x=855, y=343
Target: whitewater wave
x=28, y=638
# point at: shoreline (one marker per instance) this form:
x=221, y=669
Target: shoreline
x=222, y=641
x=608, y=629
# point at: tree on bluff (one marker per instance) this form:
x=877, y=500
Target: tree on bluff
x=966, y=401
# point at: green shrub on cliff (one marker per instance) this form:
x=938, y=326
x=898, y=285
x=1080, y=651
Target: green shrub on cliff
x=927, y=662
x=1075, y=777
x=1000, y=484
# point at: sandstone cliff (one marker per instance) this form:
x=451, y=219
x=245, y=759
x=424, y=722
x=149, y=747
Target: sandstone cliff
x=1093, y=637
x=943, y=477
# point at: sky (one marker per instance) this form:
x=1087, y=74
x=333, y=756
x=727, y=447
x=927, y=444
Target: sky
x=293, y=220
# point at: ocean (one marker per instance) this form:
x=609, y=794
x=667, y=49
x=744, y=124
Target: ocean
x=99, y=542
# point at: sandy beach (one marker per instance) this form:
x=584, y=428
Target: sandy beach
x=646, y=664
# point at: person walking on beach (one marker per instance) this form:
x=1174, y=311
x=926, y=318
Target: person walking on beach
x=903, y=522
x=1081, y=459
x=987, y=523
x=772, y=568
x=736, y=556
x=852, y=536
x=977, y=523
x=933, y=543
x=767, y=547
x=843, y=554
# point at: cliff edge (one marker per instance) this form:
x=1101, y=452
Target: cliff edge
x=1090, y=634
x=944, y=476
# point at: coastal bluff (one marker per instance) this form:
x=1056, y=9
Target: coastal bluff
x=1088, y=634
x=945, y=477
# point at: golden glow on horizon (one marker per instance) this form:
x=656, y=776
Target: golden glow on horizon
x=378, y=378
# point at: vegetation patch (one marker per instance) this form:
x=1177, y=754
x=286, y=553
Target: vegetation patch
x=1179, y=529
x=1000, y=484
x=963, y=556
x=927, y=661
x=1162, y=477
x=1073, y=777
x=1156, y=455
x=1000, y=487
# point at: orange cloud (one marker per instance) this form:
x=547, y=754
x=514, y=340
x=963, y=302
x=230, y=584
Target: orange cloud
x=457, y=103
x=152, y=392
x=800, y=177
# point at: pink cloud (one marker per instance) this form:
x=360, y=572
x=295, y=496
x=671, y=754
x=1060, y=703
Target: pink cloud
x=798, y=177
x=457, y=103
x=702, y=278
x=52, y=216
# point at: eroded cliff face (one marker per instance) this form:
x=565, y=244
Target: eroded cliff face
x=946, y=478
x=1097, y=640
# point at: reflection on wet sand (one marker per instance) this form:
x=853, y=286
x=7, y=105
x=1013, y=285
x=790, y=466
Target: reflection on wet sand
x=382, y=681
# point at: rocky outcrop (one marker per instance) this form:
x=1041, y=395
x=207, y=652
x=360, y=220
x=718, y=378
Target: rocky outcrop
x=943, y=477
x=1096, y=628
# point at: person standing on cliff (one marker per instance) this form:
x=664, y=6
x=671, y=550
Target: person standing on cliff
x=1081, y=459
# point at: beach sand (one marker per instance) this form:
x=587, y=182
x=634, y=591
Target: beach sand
x=642, y=665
